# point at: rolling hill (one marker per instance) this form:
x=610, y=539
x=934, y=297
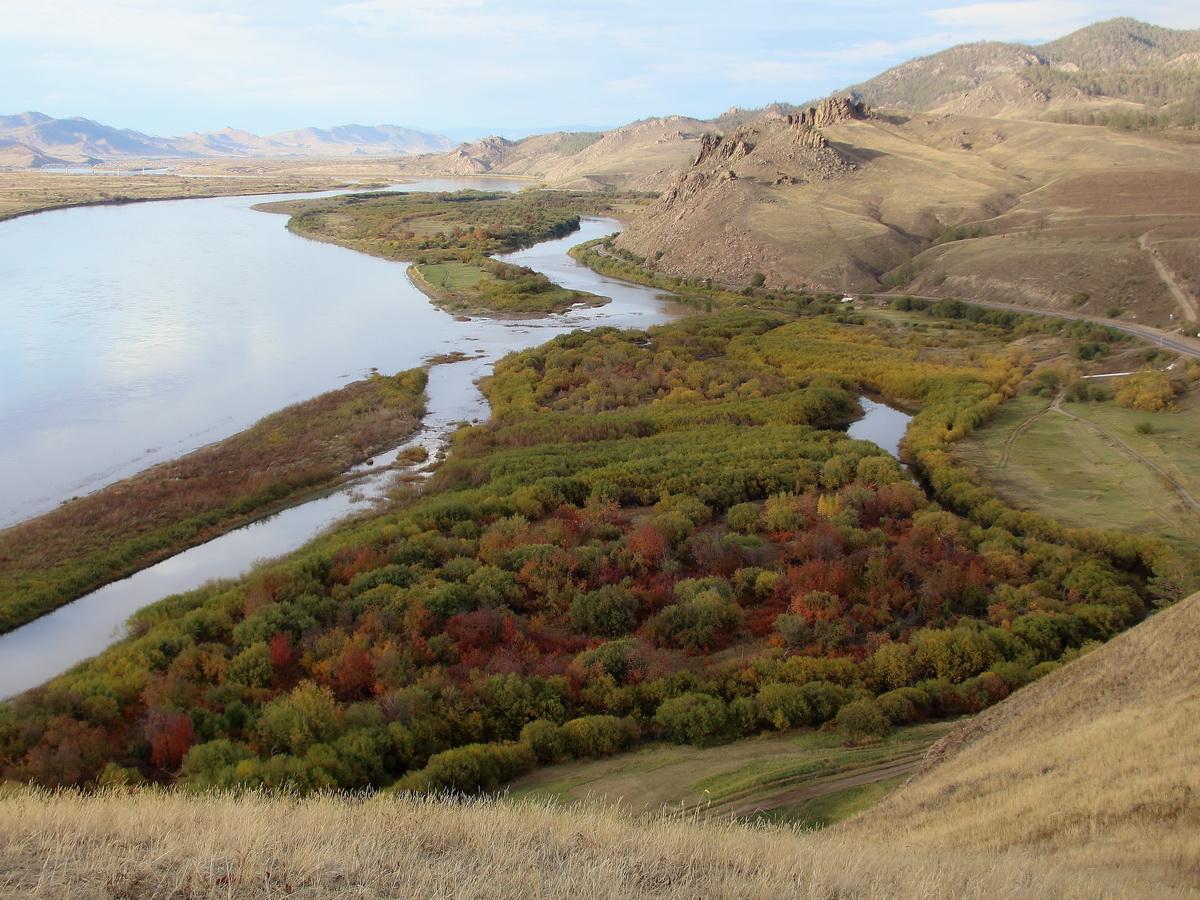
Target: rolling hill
x=645, y=155
x=978, y=172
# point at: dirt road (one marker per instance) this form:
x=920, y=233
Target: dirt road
x=1185, y=300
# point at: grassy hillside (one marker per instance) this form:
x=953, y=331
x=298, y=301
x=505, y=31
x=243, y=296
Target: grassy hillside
x=1058, y=217
x=1096, y=767
x=1083, y=785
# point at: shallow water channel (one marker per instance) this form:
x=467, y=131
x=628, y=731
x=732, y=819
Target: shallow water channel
x=415, y=331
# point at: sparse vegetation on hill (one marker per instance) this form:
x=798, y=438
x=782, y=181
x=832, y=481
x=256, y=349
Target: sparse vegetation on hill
x=1095, y=768
x=641, y=156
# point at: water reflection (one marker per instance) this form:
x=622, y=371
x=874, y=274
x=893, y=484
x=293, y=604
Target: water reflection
x=880, y=424
x=134, y=334
x=36, y=652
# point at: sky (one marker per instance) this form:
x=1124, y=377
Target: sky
x=169, y=67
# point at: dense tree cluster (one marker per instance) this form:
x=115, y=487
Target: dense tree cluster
x=657, y=535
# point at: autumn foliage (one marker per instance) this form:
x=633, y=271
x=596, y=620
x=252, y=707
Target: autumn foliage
x=657, y=534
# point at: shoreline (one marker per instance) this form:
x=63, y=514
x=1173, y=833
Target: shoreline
x=135, y=523
x=206, y=194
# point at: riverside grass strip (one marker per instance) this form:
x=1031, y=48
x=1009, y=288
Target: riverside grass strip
x=87, y=542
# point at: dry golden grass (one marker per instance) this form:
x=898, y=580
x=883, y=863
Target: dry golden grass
x=158, y=845
x=1081, y=785
x=1065, y=206
x=1094, y=768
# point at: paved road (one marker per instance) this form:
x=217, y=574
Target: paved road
x=1168, y=340
x=1156, y=336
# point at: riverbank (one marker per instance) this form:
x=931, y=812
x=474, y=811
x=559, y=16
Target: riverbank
x=286, y=458
x=28, y=193
x=451, y=239
x=472, y=290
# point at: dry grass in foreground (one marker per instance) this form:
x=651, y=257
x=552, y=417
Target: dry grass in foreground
x=1081, y=785
x=158, y=845
x=1095, y=767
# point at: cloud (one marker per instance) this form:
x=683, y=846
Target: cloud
x=1021, y=19
x=768, y=72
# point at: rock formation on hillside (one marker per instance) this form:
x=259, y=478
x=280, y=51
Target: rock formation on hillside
x=995, y=191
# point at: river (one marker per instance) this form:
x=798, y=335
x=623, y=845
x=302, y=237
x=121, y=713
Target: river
x=240, y=381
x=135, y=334
x=206, y=364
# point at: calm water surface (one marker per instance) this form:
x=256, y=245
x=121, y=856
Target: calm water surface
x=134, y=402
x=130, y=363
x=134, y=334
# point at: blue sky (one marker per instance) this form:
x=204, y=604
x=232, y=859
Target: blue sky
x=173, y=66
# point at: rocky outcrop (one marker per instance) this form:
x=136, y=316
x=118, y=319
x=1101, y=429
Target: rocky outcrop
x=829, y=111
x=715, y=149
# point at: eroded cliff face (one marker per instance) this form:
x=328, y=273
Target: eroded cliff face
x=708, y=218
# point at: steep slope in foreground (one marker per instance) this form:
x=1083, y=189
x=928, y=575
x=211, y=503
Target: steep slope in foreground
x=1082, y=785
x=1095, y=767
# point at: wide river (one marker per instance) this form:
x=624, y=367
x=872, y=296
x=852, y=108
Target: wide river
x=134, y=334
x=137, y=333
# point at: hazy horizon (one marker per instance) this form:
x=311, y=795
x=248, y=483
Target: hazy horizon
x=170, y=67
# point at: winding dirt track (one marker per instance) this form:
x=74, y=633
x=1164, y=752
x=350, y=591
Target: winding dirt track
x=1178, y=488
x=774, y=798
x=1182, y=297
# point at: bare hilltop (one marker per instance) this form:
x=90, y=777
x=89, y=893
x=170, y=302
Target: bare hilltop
x=1060, y=177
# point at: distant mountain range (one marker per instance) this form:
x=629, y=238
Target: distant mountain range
x=35, y=140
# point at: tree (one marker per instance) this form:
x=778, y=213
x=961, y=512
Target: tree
x=609, y=610
x=783, y=706
x=308, y=715
x=1147, y=391
x=693, y=718
x=862, y=719
x=171, y=736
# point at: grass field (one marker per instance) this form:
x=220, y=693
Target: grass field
x=25, y=192
x=1040, y=459
x=829, y=809
x=456, y=286
x=721, y=780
